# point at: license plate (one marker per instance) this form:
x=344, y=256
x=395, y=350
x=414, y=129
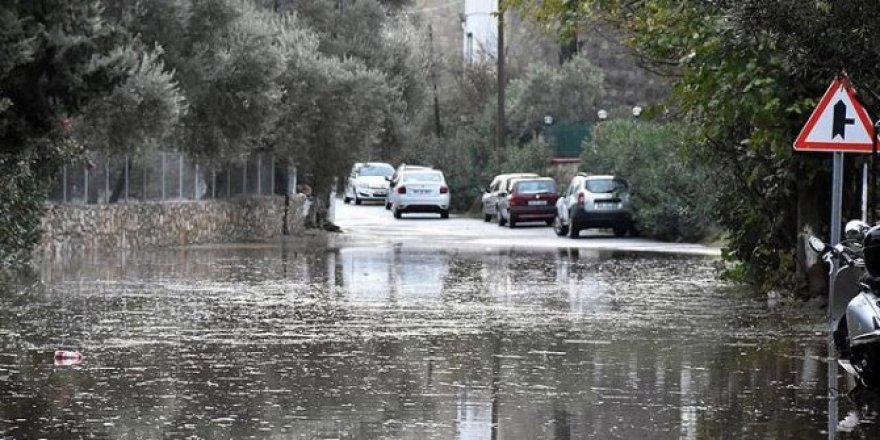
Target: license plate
x=537, y=202
x=422, y=191
x=606, y=205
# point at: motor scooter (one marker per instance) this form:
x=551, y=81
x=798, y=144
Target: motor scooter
x=855, y=310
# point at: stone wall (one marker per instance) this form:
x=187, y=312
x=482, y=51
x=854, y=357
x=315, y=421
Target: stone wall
x=69, y=227
x=626, y=83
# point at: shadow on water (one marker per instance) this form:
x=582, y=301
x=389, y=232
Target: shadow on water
x=404, y=342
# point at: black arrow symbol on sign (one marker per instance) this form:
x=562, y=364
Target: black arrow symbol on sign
x=840, y=120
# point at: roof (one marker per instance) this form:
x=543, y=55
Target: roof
x=518, y=179
x=597, y=176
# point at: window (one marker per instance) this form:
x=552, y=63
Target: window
x=606, y=185
x=575, y=185
x=376, y=170
x=423, y=177
x=535, y=186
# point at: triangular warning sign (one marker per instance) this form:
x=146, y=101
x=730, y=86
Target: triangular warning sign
x=839, y=123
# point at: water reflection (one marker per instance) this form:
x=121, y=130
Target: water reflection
x=403, y=342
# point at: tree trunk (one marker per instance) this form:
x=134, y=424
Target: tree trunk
x=810, y=270
x=118, y=187
x=318, y=216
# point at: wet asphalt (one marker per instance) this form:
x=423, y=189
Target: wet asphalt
x=415, y=328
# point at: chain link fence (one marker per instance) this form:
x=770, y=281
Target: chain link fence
x=167, y=176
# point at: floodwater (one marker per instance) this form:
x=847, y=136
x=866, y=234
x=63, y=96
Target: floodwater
x=414, y=343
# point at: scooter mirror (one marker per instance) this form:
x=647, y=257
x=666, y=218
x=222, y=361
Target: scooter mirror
x=855, y=230
x=817, y=244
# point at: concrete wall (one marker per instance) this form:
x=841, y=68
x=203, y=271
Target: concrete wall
x=70, y=228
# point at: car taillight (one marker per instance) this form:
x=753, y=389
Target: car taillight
x=444, y=190
x=401, y=190
x=581, y=199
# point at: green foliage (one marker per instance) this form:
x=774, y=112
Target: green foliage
x=55, y=57
x=672, y=194
x=569, y=93
x=745, y=75
x=139, y=115
x=20, y=212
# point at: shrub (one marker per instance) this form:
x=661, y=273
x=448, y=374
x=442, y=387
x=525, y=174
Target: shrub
x=672, y=195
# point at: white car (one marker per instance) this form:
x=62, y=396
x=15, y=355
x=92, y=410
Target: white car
x=420, y=190
x=395, y=178
x=367, y=182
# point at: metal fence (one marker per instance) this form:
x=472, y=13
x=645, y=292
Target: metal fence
x=567, y=138
x=166, y=176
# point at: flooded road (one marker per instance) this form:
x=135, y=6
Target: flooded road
x=413, y=329
x=400, y=341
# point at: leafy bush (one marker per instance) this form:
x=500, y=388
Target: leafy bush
x=672, y=195
x=23, y=192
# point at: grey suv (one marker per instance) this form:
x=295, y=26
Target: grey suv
x=594, y=202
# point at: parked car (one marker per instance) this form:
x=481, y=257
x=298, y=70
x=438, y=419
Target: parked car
x=367, y=182
x=498, y=185
x=394, y=180
x=530, y=199
x=420, y=190
x=594, y=202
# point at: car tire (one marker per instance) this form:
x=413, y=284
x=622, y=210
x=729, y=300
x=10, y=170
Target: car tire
x=387, y=206
x=487, y=218
x=559, y=228
x=574, y=231
x=501, y=221
x=357, y=201
x=549, y=222
x=345, y=199
x=511, y=222
x=620, y=231
x=444, y=214
x=397, y=213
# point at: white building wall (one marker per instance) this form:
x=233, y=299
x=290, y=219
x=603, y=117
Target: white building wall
x=479, y=30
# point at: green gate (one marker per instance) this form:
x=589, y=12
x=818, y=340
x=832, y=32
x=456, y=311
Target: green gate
x=566, y=138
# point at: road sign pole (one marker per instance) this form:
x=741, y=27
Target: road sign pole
x=836, y=208
x=872, y=191
x=865, y=173
x=836, y=197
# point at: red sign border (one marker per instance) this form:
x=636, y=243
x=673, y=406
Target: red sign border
x=801, y=144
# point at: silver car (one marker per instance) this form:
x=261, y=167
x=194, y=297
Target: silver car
x=594, y=202
x=495, y=190
x=367, y=182
x=420, y=190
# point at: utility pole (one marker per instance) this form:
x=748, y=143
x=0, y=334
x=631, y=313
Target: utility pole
x=500, y=126
x=437, y=128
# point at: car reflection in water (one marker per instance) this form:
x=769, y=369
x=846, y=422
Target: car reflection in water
x=393, y=274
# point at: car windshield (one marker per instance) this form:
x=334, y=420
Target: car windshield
x=536, y=186
x=605, y=185
x=376, y=170
x=423, y=177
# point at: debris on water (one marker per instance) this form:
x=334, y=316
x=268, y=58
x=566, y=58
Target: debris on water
x=67, y=357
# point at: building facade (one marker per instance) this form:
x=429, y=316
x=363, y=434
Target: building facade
x=467, y=30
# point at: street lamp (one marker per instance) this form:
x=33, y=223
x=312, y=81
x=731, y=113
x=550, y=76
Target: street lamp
x=602, y=114
x=637, y=111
